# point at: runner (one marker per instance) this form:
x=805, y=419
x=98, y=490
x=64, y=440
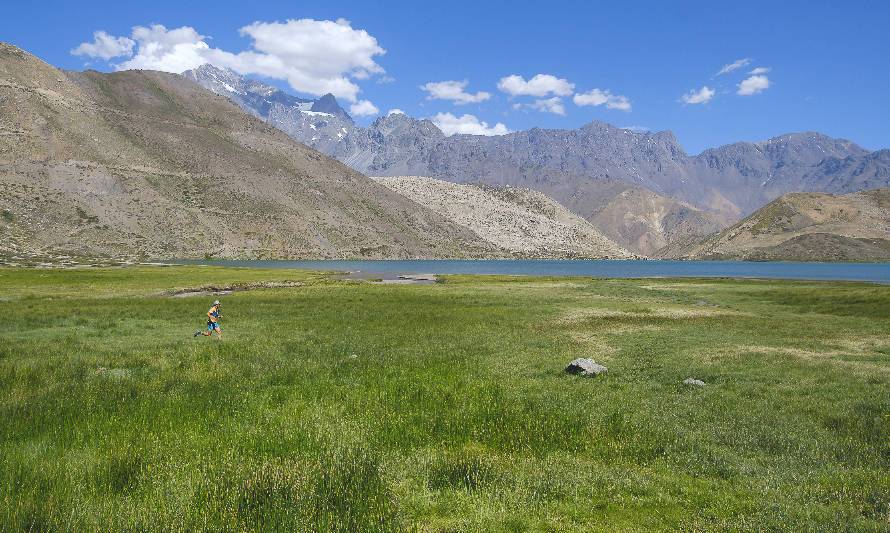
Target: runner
x=213, y=317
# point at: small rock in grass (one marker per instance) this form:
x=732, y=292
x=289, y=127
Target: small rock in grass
x=585, y=367
x=693, y=382
x=114, y=373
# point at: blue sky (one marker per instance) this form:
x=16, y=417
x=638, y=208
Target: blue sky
x=629, y=62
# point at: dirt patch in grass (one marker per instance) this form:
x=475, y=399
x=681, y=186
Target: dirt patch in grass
x=228, y=289
x=621, y=329
x=594, y=339
x=855, y=356
x=677, y=286
x=865, y=345
x=677, y=313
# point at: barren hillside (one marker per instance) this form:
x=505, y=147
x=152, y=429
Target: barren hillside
x=524, y=222
x=147, y=164
x=647, y=223
x=810, y=227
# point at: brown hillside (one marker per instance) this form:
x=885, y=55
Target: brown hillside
x=144, y=163
x=809, y=227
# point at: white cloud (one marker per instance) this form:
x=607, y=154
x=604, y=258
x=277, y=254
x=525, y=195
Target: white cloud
x=735, y=65
x=363, y=108
x=540, y=85
x=467, y=124
x=454, y=91
x=598, y=97
x=105, y=46
x=550, y=105
x=395, y=111
x=753, y=85
x=621, y=103
x=760, y=70
x=173, y=50
x=313, y=56
x=701, y=96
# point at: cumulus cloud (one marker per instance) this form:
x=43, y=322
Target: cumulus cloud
x=598, y=97
x=313, y=56
x=105, y=46
x=467, y=124
x=620, y=103
x=753, y=85
x=363, y=108
x=760, y=70
x=735, y=65
x=173, y=50
x=546, y=105
x=395, y=111
x=701, y=96
x=550, y=105
x=454, y=91
x=540, y=85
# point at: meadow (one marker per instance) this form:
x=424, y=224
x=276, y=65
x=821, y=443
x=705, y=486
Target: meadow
x=354, y=406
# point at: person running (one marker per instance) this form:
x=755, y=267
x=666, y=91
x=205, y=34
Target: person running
x=213, y=317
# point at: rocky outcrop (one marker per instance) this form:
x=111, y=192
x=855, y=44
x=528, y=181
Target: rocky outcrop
x=585, y=367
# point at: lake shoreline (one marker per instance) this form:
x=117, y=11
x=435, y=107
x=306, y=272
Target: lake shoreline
x=610, y=268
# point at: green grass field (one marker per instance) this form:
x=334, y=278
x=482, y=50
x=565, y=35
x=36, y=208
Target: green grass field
x=361, y=407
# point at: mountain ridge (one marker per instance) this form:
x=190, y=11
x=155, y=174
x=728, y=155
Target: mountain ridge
x=148, y=164
x=95, y=140
x=731, y=180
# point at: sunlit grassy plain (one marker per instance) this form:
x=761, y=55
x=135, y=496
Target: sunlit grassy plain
x=353, y=406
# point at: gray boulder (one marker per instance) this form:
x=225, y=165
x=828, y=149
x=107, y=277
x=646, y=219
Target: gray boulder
x=693, y=382
x=585, y=367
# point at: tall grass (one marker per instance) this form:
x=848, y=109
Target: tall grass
x=357, y=407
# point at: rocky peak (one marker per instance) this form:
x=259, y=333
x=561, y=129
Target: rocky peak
x=328, y=104
x=397, y=124
x=222, y=81
x=320, y=123
x=808, y=146
x=666, y=137
x=208, y=69
x=596, y=125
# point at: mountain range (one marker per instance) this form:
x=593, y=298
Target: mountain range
x=681, y=197
x=149, y=164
